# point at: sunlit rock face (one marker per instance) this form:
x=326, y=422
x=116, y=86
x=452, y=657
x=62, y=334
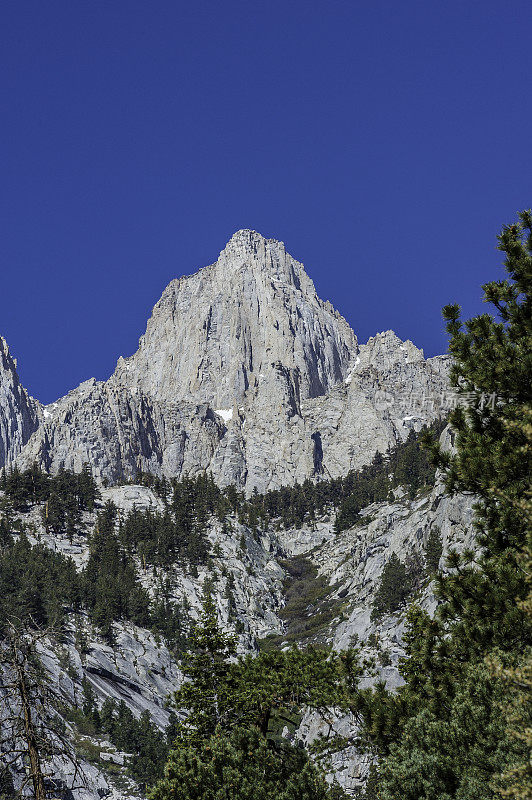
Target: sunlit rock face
x=19, y=413
x=212, y=334
x=245, y=372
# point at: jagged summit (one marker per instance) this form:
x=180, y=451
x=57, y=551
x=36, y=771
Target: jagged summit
x=249, y=239
x=244, y=243
x=19, y=413
x=214, y=336
x=242, y=371
x=7, y=358
x=267, y=259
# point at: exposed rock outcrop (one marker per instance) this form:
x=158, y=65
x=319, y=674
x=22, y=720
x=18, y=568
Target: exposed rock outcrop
x=19, y=413
x=245, y=372
x=139, y=669
x=212, y=334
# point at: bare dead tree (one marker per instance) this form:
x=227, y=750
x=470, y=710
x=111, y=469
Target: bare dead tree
x=32, y=731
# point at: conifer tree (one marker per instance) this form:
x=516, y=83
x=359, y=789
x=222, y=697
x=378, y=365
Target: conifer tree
x=394, y=587
x=453, y=731
x=32, y=733
x=433, y=549
x=242, y=766
x=239, y=708
x=206, y=667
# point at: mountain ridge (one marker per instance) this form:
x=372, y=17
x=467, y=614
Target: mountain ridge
x=242, y=371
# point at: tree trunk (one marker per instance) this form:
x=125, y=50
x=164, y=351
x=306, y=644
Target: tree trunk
x=37, y=776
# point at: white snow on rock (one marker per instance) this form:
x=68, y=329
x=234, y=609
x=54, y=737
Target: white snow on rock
x=350, y=376
x=225, y=413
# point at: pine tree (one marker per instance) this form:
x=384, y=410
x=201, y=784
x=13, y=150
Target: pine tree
x=246, y=703
x=32, y=732
x=395, y=586
x=433, y=549
x=150, y=752
x=492, y=372
x=450, y=731
x=242, y=766
x=87, y=489
x=516, y=779
x=206, y=666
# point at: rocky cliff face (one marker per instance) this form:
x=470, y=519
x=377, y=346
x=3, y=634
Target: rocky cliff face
x=138, y=668
x=19, y=413
x=119, y=431
x=214, y=336
x=245, y=372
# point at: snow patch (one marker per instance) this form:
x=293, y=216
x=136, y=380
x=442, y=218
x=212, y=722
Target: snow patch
x=48, y=410
x=225, y=413
x=350, y=376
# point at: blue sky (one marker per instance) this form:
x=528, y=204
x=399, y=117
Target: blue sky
x=384, y=142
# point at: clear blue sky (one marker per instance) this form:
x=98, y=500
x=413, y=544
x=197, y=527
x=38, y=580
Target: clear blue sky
x=384, y=142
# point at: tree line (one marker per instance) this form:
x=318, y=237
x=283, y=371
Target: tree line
x=406, y=464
